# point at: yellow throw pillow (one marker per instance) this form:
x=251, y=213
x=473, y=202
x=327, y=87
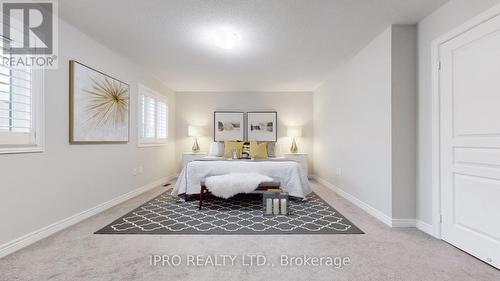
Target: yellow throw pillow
x=258, y=151
x=229, y=146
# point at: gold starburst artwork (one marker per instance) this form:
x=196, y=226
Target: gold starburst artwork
x=99, y=106
x=108, y=102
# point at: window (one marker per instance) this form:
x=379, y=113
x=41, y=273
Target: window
x=153, y=117
x=21, y=100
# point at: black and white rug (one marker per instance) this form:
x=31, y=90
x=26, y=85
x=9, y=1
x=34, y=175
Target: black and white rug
x=166, y=214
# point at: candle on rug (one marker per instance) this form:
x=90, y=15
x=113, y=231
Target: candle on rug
x=276, y=206
x=284, y=209
x=269, y=206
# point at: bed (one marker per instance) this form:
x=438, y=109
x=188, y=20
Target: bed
x=289, y=173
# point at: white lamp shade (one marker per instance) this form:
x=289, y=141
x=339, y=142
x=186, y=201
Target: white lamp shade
x=294, y=132
x=216, y=149
x=194, y=131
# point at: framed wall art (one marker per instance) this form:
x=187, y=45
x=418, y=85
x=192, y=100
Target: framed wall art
x=229, y=126
x=99, y=106
x=262, y=126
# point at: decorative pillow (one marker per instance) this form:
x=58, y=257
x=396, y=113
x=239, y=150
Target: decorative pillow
x=258, y=151
x=229, y=146
x=245, y=154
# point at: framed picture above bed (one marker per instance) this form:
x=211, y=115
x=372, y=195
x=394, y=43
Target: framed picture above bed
x=262, y=126
x=229, y=126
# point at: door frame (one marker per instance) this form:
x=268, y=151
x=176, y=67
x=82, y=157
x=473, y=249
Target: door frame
x=436, y=109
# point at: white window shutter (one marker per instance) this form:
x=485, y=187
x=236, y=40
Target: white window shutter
x=153, y=117
x=16, y=107
x=162, y=120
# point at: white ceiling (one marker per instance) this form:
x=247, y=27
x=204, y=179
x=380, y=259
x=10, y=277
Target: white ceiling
x=287, y=45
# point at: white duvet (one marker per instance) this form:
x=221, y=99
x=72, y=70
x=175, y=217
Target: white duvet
x=288, y=173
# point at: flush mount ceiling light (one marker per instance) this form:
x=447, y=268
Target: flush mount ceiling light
x=223, y=37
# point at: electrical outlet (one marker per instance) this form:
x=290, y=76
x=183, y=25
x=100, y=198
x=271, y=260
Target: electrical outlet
x=140, y=169
x=134, y=171
x=339, y=172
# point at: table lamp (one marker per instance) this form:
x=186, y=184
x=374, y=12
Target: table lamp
x=195, y=132
x=294, y=132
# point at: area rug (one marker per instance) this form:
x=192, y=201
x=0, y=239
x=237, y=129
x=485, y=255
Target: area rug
x=240, y=215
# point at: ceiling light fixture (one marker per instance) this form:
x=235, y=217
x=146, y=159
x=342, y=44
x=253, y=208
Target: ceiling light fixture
x=224, y=37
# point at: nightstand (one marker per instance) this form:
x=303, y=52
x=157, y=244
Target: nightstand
x=300, y=158
x=191, y=156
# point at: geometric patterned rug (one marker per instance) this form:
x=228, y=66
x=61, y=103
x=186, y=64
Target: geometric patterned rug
x=242, y=214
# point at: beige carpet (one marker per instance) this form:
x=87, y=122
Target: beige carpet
x=380, y=254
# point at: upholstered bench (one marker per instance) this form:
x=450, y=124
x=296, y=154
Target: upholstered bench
x=264, y=186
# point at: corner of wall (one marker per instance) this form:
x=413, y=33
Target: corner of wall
x=404, y=120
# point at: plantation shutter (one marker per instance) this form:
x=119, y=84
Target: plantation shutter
x=162, y=120
x=16, y=104
x=148, y=117
x=154, y=118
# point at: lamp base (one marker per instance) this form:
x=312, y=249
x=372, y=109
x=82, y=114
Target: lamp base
x=294, y=148
x=196, y=147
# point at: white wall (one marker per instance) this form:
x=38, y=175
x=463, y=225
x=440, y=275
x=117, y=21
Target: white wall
x=404, y=120
x=294, y=109
x=38, y=189
x=443, y=20
x=365, y=125
x=352, y=125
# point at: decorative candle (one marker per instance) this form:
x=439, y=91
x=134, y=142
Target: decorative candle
x=269, y=206
x=284, y=209
x=276, y=206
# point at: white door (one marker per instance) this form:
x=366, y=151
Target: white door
x=470, y=141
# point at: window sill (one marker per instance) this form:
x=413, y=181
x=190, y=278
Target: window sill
x=20, y=149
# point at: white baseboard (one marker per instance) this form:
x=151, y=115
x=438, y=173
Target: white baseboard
x=404, y=223
x=366, y=207
x=39, y=234
x=425, y=227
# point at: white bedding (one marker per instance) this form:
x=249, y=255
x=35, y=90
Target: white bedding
x=288, y=173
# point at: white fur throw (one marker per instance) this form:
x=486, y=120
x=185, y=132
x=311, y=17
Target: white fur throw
x=226, y=186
